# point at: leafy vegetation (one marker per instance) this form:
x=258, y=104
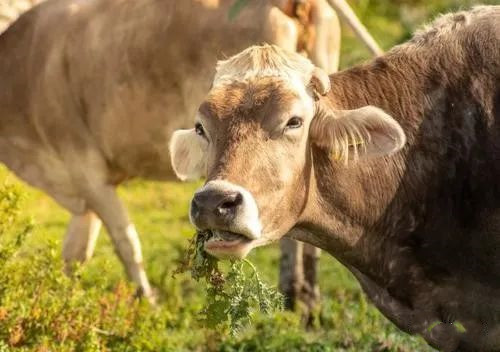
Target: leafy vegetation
x=42, y=310
x=231, y=297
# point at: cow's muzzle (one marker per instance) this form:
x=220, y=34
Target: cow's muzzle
x=230, y=213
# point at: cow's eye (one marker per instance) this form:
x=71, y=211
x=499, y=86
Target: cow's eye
x=294, y=122
x=199, y=129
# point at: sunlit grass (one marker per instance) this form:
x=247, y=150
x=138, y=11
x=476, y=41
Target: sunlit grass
x=159, y=211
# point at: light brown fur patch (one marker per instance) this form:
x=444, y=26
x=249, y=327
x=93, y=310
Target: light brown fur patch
x=239, y=99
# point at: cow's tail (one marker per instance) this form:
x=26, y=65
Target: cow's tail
x=348, y=15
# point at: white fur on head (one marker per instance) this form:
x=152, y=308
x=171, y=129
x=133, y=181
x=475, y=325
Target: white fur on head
x=187, y=154
x=363, y=132
x=264, y=61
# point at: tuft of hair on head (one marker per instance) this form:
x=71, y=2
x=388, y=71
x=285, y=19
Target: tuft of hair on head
x=263, y=61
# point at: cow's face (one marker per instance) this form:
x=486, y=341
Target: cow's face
x=252, y=140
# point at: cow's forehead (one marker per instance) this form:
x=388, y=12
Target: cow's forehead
x=249, y=98
x=264, y=61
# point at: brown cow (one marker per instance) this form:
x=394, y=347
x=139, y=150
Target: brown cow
x=90, y=92
x=393, y=167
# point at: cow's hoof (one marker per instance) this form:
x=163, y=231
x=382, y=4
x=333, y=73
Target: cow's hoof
x=151, y=296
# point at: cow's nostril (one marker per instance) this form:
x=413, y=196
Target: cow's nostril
x=229, y=203
x=213, y=201
x=234, y=201
x=226, y=205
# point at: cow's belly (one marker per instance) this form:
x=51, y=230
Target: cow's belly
x=134, y=129
x=145, y=162
x=140, y=152
x=39, y=168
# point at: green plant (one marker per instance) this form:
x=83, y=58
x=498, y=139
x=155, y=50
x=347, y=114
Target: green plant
x=232, y=295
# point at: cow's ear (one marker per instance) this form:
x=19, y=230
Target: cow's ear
x=187, y=154
x=353, y=134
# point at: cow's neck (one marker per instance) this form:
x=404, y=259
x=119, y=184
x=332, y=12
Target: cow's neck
x=357, y=211
x=379, y=216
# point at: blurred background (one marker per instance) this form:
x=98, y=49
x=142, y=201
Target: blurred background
x=393, y=22
x=43, y=310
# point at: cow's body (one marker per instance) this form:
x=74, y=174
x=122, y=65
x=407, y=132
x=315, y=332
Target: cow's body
x=91, y=92
x=419, y=228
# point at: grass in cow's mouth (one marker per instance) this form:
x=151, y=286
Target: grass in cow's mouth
x=234, y=291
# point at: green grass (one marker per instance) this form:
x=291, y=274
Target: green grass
x=42, y=310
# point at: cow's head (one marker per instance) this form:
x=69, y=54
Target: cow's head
x=252, y=141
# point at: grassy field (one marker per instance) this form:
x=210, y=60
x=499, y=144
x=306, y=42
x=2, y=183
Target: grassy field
x=43, y=310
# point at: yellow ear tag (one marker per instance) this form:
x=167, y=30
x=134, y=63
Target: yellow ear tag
x=337, y=156
x=358, y=142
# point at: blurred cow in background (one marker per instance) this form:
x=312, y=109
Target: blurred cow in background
x=91, y=92
x=11, y=9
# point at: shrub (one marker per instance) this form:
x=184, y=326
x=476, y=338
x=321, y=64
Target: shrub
x=42, y=309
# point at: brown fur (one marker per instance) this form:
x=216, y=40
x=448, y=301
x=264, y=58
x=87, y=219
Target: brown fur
x=419, y=229
x=244, y=99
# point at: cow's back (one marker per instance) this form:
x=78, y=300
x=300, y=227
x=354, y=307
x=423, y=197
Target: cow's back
x=145, y=75
x=102, y=84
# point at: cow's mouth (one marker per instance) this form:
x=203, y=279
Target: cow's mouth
x=227, y=244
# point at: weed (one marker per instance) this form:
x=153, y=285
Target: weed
x=232, y=295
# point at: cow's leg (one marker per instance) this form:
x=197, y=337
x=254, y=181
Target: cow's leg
x=105, y=203
x=281, y=30
x=298, y=277
x=325, y=51
x=291, y=274
x=81, y=238
x=311, y=293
